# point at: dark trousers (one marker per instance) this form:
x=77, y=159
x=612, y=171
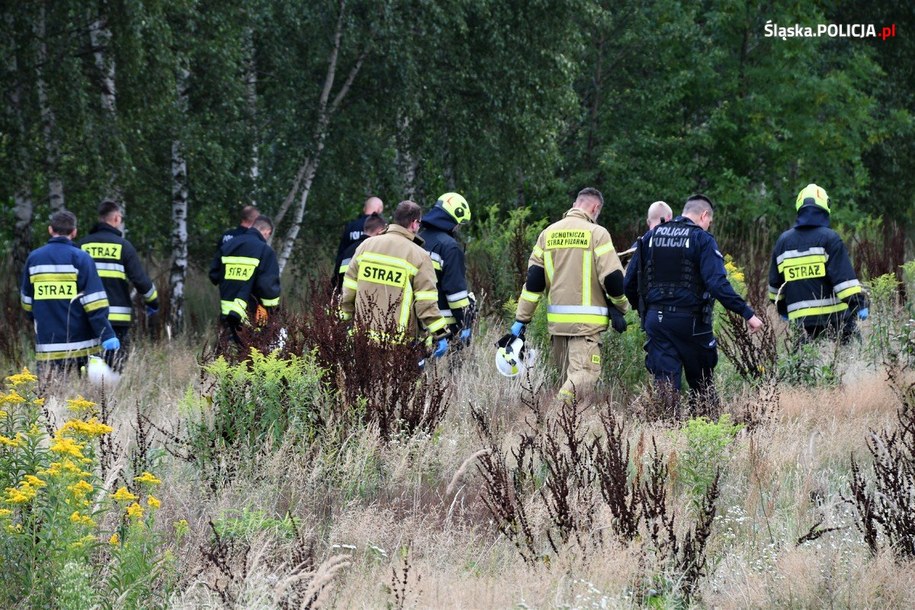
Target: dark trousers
x=116, y=359
x=678, y=343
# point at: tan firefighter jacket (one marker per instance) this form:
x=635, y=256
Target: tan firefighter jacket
x=576, y=254
x=391, y=275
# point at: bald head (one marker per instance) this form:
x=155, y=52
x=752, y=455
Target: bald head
x=372, y=205
x=658, y=212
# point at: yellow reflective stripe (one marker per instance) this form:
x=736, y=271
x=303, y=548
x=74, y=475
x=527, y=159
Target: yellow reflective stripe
x=577, y=318
x=619, y=300
x=391, y=260
x=407, y=306
x=460, y=304
x=436, y=265
x=95, y=305
x=270, y=302
x=151, y=296
x=118, y=275
x=601, y=250
x=119, y=317
x=52, y=277
x=238, y=306
x=810, y=259
x=78, y=353
x=816, y=311
x=342, y=269
x=533, y=297
x=844, y=294
x=427, y=295
x=437, y=325
x=449, y=320
x=586, y=278
x=548, y=265
x=350, y=283
x=27, y=306
x=538, y=251
x=240, y=260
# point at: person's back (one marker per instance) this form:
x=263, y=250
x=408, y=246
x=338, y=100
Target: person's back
x=438, y=227
x=354, y=229
x=374, y=225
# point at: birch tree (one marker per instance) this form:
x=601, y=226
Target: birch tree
x=178, y=273
x=100, y=39
x=301, y=186
x=48, y=119
x=22, y=195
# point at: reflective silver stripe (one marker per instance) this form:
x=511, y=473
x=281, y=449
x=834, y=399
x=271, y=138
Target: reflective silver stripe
x=845, y=285
x=150, y=292
x=52, y=269
x=114, y=309
x=25, y=299
x=94, y=296
x=457, y=296
x=65, y=347
x=813, y=303
x=436, y=257
x=355, y=235
x=716, y=251
x=600, y=311
x=798, y=253
x=110, y=266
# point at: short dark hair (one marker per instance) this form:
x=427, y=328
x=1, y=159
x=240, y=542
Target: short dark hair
x=590, y=191
x=107, y=208
x=373, y=223
x=698, y=203
x=406, y=212
x=262, y=222
x=63, y=222
x=249, y=213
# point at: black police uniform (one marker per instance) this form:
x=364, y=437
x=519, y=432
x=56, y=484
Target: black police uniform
x=352, y=233
x=346, y=257
x=119, y=266
x=681, y=273
x=437, y=229
x=230, y=234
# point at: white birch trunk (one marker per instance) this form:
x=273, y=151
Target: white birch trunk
x=23, y=207
x=178, y=274
x=306, y=173
x=48, y=120
x=251, y=101
x=100, y=39
x=404, y=160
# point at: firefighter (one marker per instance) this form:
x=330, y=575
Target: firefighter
x=679, y=275
x=658, y=212
x=249, y=214
x=576, y=265
x=62, y=293
x=438, y=229
x=248, y=276
x=391, y=274
x=811, y=279
x=354, y=229
x=375, y=224
x=119, y=266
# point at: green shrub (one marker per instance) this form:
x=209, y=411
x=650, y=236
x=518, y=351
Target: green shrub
x=705, y=454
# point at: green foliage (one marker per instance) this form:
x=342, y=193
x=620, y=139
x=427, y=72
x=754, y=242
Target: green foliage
x=246, y=524
x=809, y=364
x=623, y=357
x=705, y=454
x=884, y=316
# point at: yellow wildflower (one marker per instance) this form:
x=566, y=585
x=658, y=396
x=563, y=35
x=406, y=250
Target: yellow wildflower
x=5, y=512
x=3, y=414
x=85, y=540
x=115, y=539
x=67, y=446
x=80, y=489
x=65, y=466
x=79, y=519
x=10, y=442
x=122, y=495
x=34, y=481
x=153, y=502
x=148, y=477
x=80, y=405
x=181, y=527
x=19, y=378
x=14, y=528
x=38, y=402
x=93, y=427
x=13, y=398
x=135, y=511
x=20, y=495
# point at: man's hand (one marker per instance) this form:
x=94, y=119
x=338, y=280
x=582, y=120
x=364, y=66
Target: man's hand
x=863, y=313
x=111, y=345
x=517, y=328
x=441, y=348
x=755, y=324
x=617, y=320
x=465, y=336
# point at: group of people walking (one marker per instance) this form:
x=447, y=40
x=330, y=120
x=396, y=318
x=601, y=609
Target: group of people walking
x=407, y=278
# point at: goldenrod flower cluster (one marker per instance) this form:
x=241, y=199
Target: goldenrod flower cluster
x=81, y=405
x=734, y=272
x=21, y=378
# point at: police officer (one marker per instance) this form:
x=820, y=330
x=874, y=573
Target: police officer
x=118, y=265
x=374, y=225
x=391, y=275
x=249, y=214
x=62, y=292
x=248, y=276
x=811, y=279
x=680, y=273
x=575, y=264
x=437, y=229
x=355, y=228
x=658, y=212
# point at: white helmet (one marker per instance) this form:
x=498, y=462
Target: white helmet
x=510, y=357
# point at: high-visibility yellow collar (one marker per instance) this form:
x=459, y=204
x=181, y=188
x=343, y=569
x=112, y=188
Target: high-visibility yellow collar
x=578, y=213
x=399, y=230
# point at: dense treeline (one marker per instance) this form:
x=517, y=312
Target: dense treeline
x=189, y=108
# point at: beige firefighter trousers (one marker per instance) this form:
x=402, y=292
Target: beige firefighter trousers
x=578, y=361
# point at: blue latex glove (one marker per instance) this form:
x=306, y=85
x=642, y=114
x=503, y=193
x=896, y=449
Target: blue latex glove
x=151, y=311
x=465, y=336
x=783, y=316
x=111, y=345
x=517, y=328
x=441, y=348
x=863, y=313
